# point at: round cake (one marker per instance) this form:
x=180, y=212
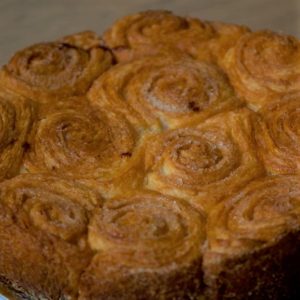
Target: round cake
x=160, y=160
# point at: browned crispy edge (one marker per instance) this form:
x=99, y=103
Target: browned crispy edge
x=13, y=291
x=269, y=273
x=5, y=290
x=186, y=284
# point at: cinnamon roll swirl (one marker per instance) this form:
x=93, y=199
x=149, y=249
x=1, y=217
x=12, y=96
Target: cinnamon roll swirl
x=51, y=204
x=100, y=147
x=43, y=237
x=85, y=40
x=278, y=136
x=148, y=246
x=251, y=235
x=16, y=116
x=226, y=36
x=54, y=69
x=262, y=65
x=152, y=32
x=166, y=91
x=263, y=210
x=205, y=163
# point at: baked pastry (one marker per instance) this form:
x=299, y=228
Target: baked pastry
x=252, y=249
x=165, y=91
x=204, y=163
x=225, y=37
x=148, y=246
x=43, y=235
x=263, y=65
x=55, y=69
x=16, y=117
x=101, y=148
x=155, y=32
x=277, y=135
x=160, y=161
x=86, y=40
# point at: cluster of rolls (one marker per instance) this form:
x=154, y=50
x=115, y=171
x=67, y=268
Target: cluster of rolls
x=135, y=161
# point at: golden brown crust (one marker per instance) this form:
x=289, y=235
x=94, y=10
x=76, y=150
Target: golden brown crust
x=16, y=117
x=204, y=163
x=85, y=40
x=249, y=224
x=43, y=234
x=165, y=91
x=99, y=147
x=262, y=65
x=263, y=210
x=48, y=70
x=151, y=179
x=270, y=273
x=152, y=32
x=226, y=36
x=278, y=137
x=148, y=247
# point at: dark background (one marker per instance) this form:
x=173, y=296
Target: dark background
x=24, y=22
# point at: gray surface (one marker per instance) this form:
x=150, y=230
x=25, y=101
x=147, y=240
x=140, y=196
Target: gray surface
x=24, y=22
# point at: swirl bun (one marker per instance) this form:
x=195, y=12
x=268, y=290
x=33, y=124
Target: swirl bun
x=54, y=69
x=251, y=235
x=264, y=210
x=170, y=91
x=85, y=40
x=46, y=222
x=100, y=147
x=147, y=244
x=262, y=65
x=226, y=36
x=157, y=32
x=57, y=207
x=153, y=32
x=278, y=136
x=205, y=163
x=16, y=116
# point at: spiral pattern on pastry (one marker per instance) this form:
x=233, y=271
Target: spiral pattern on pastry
x=54, y=69
x=85, y=40
x=278, y=135
x=170, y=91
x=100, y=147
x=263, y=211
x=264, y=64
x=15, y=121
x=203, y=164
x=56, y=206
x=147, y=243
x=226, y=36
x=152, y=32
